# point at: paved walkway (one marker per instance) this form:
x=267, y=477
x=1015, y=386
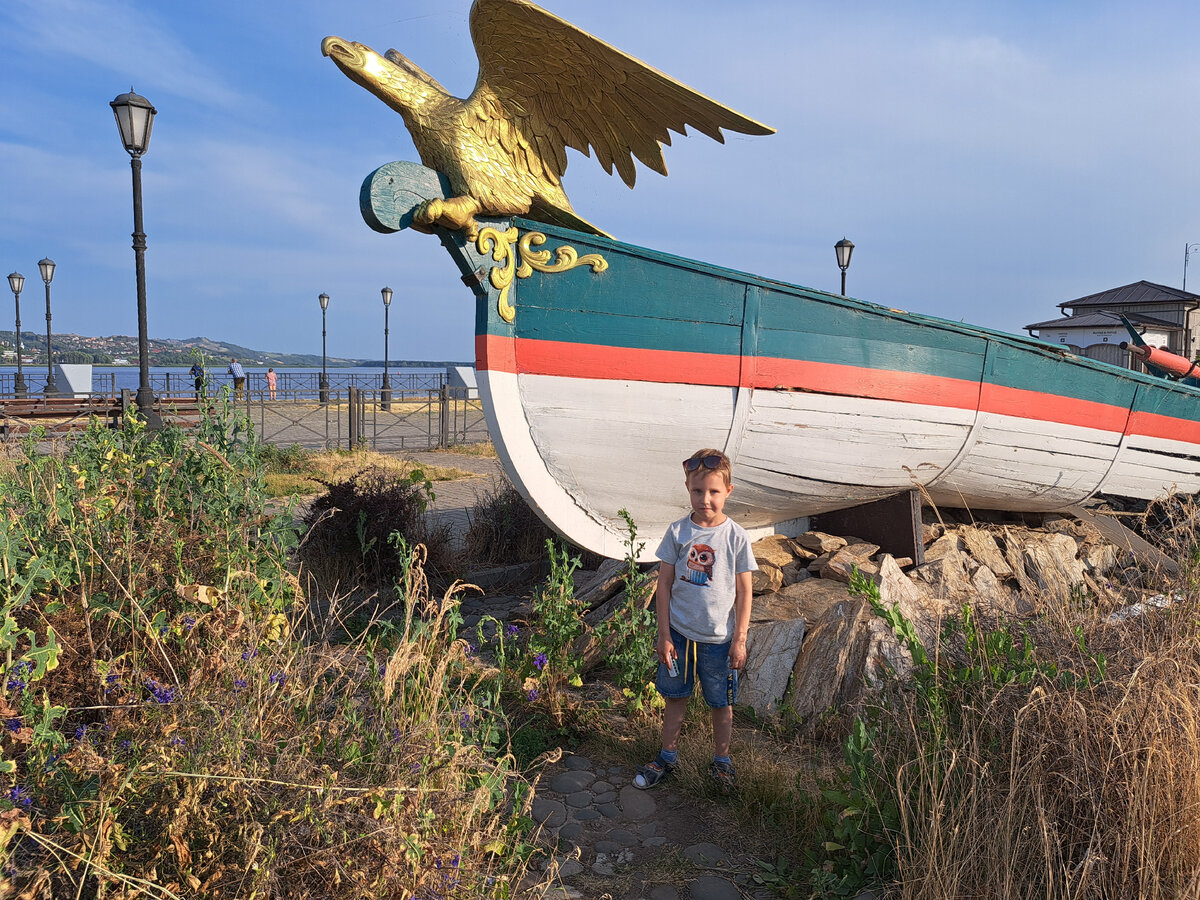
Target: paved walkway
x=614, y=840
x=454, y=500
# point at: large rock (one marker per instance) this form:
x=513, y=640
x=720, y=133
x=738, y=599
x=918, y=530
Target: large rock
x=795, y=571
x=982, y=547
x=776, y=550
x=1050, y=563
x=947, y=575
x=993, y=596
x=767, y=579
x=918, y=603
x=820, y=542
x=771, y=650
x=947, y=545
x=845, y=649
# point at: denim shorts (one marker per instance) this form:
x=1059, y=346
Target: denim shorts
x=709, y=662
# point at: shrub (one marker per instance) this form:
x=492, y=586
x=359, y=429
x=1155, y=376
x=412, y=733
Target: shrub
x=348, y=542
x=504, y=530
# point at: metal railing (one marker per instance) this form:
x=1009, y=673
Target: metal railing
x=409, y=420
x=302, y=383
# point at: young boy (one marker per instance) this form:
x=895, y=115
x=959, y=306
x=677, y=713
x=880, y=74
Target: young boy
x=703, y=605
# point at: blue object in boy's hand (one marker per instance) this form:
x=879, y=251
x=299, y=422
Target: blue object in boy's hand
x=672, y=667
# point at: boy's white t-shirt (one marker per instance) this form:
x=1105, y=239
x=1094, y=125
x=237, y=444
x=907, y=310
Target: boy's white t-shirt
x=706, y=561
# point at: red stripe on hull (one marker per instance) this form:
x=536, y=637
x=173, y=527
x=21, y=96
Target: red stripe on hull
x=570, y=360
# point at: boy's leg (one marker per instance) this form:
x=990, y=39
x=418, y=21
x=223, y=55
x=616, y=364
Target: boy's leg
x=722, y=722
x=673, y=717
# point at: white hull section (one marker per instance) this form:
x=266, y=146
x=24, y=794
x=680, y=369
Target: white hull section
x=579, y=450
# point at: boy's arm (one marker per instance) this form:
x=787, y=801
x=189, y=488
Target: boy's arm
x=664, y=647
x=742, y=601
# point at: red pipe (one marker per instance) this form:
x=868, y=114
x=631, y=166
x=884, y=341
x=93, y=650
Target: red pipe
x=1177, y=365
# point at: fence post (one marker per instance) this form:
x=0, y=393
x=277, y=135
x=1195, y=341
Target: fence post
x=444, y=416
x=353, y=426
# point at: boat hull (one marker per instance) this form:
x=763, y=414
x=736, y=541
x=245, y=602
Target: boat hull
x=606, y=377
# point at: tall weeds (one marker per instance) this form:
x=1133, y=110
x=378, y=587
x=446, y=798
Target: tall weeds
x=1029, y=761
x=176, y=726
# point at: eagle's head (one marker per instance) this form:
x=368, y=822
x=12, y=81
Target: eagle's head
x=395, y=80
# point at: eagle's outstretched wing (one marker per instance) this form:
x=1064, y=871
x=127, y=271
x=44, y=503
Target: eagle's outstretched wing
x=565, y=88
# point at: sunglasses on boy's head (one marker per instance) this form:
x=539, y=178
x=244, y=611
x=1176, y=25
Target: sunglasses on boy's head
x=712, y=461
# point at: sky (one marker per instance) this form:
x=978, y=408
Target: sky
x=989, y=160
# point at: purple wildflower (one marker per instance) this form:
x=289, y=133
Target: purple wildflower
x=414, y=767
x=161, y=693
x=471, y=648
x=512, y=630
x=127, y=745
x=13, y=725
x=250, y=654
x=465, y=719
x=189, y=623
x=533, y=694
x=278, y=677
x=80, y=732
x=239, y=683
x=539, y=661
x=177, y=741
x=18, y=796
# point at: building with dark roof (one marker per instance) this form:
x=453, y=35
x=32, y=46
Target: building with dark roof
x=1164, y=316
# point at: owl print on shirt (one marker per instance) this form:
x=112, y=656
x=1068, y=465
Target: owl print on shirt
x=699, y=565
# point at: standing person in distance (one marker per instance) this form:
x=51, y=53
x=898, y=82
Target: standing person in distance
x=239, y=377
x=197, y=373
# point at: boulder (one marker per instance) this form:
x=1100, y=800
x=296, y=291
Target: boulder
x=776, y=550
x=767, y=579
x=845, y=649
x=947, y=575
x=820, y=542
x=1050, y=563
x=841, y=567
x=1099, y=558
x=993, y=596
x=795, y=571
x=808, y=600
x=982, y=547
x=948, y=543
x=917, y=602
x=771, y=651
x=859, y=549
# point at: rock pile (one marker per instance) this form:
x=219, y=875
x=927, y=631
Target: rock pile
x=809, y=634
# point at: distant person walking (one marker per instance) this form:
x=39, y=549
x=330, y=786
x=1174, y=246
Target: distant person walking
x=197, y=373
x=239, y=378
x=272, y=379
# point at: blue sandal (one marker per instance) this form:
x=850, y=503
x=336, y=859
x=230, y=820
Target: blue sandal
x=652, y=773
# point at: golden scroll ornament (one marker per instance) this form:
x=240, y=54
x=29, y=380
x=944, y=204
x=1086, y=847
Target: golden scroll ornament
x=499, y=245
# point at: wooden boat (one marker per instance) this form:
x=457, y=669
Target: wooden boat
x=603, y=365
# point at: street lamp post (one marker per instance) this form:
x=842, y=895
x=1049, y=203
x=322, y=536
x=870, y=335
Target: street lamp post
x=135, y=119
x=385, y=395
x=16, y=281
x=1188, y=249
x=323, y=384
x=46, y=266
x=844, y=249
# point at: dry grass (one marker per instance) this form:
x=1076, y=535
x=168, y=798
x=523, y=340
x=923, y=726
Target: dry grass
x=297, y=472
x=1056, y=787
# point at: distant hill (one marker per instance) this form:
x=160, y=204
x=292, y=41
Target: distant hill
x=173, y=352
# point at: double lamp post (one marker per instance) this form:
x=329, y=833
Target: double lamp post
x=385, y=394
x=16, y=281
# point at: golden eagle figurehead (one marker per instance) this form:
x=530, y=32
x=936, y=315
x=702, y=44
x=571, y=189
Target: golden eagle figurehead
x=543, y=86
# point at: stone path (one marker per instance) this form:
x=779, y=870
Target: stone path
x=609, y=839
